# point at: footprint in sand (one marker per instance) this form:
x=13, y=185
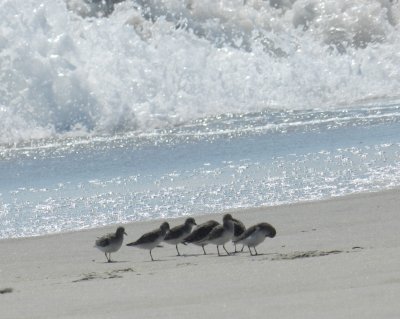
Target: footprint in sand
x=107, y=275
x=313, y=253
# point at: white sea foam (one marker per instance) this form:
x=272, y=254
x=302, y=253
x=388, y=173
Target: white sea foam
x=78, y=68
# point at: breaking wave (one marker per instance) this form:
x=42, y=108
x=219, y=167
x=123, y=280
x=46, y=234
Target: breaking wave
x=79, y=68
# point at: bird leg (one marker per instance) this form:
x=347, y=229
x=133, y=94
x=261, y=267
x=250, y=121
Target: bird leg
x=255, y=250
x=202, y=246
x=176, y=246
x=151, y=256
x=218, y=251
x=226, y=250
x=108, y=258
x=251, y=253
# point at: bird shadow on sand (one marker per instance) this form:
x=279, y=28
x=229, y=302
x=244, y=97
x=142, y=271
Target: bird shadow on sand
x=111, y=262
x=256, y=255
x=6, y=291
x=190, y=255
x=155, y=261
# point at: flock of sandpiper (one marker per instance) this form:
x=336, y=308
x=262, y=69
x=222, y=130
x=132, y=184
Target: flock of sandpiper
x=210, y=232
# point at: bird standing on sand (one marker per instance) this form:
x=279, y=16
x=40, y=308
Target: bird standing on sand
x=200, y=233
x=110, y=243
x=151, y=239
x=177, y=234
x=255, y=235
x=239, y=229
x=221, y=234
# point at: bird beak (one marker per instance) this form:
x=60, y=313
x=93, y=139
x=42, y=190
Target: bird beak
x=125, y=233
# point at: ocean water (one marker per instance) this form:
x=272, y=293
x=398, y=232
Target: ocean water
x=122, y=111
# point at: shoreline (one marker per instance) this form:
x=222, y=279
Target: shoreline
x=244, y=210
x=334, y=258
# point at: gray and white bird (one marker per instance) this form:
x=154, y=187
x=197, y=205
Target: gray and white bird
x=255, y=235
x=199, y=233
x=110, y=243
x=221, y=234
x=151, y=239
x=177, y=234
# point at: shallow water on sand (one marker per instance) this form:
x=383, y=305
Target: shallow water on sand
x=206, y=166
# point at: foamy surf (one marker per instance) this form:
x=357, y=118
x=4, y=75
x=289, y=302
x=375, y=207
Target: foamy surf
x=79, y=68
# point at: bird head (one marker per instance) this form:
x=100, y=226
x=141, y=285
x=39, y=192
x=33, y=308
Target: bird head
x=164, y=226
x=121, y=231
x=190, y=221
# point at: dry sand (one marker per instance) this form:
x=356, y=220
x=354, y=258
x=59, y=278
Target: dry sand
x=338, y=258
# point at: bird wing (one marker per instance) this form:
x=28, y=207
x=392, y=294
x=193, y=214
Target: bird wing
x=148, y=237
x=237, y=221
x=174, y=232
x=103, y=241
x=248, y=232
x=201, y=231
x=238, y=228
x=197, y=233
x=216, y=232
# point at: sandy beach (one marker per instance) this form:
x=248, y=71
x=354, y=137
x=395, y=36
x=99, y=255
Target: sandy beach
x=337, y=258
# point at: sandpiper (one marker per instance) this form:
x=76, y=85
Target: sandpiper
x=201, y=232
x=255, y=235
x=151, y=239
x=177, y=234
x=239, y=229
x=110, y=243
x=221, y=234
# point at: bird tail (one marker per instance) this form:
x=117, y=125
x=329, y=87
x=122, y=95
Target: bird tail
x=131, y=244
